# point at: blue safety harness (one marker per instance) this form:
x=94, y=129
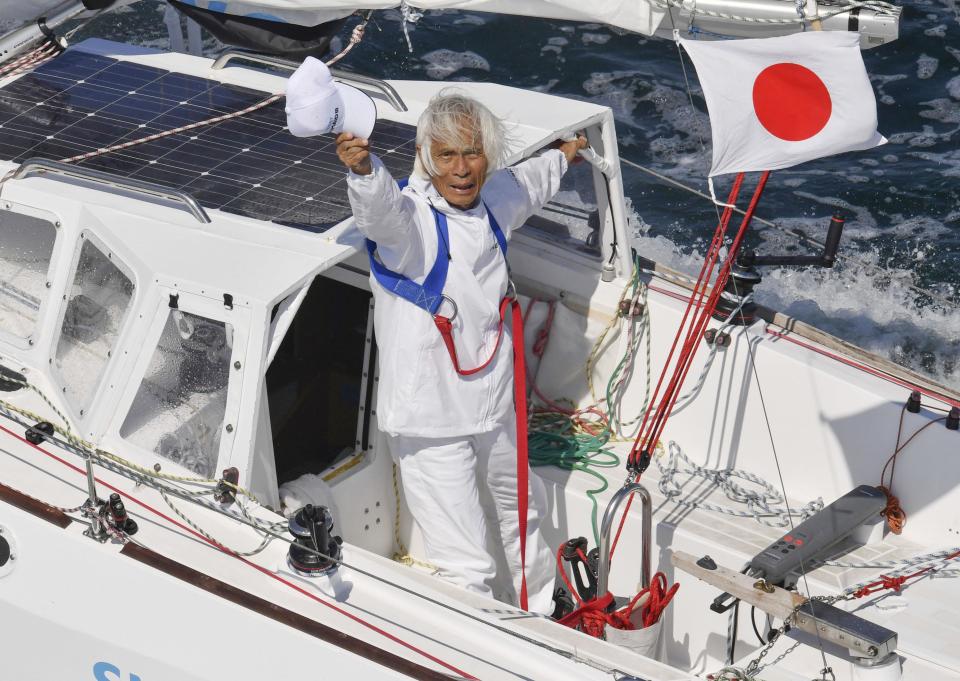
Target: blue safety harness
x=429, y=294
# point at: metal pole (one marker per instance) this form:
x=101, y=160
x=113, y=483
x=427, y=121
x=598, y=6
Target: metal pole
x=603, y=568
x=614, y=182
x=92, y=506
x=23, y=38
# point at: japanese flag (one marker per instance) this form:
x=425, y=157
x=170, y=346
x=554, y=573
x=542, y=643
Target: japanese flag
x=777, y=102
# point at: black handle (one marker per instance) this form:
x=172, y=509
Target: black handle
x=833, y=240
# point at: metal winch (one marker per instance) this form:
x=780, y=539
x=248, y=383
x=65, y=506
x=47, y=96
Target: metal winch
x=315, y=550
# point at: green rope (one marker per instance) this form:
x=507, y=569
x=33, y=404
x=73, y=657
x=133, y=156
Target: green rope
x=554, y=440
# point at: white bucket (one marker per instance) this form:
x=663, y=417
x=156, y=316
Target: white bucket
x=888, y=669
x=641, y=641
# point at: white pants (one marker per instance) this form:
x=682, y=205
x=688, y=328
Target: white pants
x=441, y=478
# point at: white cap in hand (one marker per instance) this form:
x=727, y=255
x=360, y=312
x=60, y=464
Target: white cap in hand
x=317, y=105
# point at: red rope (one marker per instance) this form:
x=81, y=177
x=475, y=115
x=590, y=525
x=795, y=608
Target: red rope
x=696, y=299
x=543, y=334
x=594, y=616
x=695, y=338
x=658, y=412
x=445, y=327
x=896, y=583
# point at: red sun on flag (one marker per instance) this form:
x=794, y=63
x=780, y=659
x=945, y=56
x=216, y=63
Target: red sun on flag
x=791, y=102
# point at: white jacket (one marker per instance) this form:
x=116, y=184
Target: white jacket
x=420, y=393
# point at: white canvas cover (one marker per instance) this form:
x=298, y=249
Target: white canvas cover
x=634, y=15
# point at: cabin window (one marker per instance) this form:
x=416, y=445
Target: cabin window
x=571, y=218
x=179, y=409
x=314, y=383
x=26, y=245
x=96, y=307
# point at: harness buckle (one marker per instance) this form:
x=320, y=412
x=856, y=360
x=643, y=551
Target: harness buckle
x=512, y=289
x=452, y=302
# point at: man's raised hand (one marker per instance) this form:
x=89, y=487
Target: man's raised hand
x=571, y=147
x=354, y=152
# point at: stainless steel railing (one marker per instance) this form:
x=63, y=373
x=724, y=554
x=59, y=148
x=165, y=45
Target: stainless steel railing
x=43, y=166
x=646, y=509
x=391, y=95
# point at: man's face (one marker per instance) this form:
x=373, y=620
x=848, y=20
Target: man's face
x=461, y=169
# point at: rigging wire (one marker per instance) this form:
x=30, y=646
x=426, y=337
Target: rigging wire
x=753, y=622
x=776, y=459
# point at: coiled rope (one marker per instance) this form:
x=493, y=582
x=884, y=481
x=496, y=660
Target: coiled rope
x=766, y=505
x=575, y=439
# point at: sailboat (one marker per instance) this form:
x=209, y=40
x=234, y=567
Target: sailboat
x=192, y=482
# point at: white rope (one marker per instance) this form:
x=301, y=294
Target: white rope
x=31, y=60
x=166, y=133
x=355, y=38
x=764, y=505
x=896, y=564
x=410, y=16
x=940, y=566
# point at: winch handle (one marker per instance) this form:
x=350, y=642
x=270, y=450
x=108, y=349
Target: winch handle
x=834, y=232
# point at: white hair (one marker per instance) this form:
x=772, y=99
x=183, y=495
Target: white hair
x=447, y=115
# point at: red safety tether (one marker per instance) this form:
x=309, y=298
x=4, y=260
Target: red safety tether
x=445, y=327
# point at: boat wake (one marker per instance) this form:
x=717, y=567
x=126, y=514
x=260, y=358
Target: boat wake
x=861, y=300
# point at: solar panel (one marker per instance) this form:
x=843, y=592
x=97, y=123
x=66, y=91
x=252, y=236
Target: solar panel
x=249, y=165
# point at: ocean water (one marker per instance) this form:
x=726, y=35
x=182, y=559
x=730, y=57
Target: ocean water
x=896, y=291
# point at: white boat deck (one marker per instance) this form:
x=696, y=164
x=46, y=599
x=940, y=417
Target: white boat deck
x=835, y=425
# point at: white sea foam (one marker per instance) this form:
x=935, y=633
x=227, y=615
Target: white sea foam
x=595, y=38
x=680, y=140
x=880, y=82
x=926, y=66
x=444, y=63
x=943, y=110
x=862, y=300
x=471, y=20
x=953, y=87
x=555, y=45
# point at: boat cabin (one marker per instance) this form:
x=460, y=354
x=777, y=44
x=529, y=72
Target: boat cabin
x=201, y=302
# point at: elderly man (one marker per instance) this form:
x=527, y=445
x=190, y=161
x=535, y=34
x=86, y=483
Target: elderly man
x=447, y=427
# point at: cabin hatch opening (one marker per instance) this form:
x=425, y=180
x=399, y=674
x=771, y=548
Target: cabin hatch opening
x=314, y=382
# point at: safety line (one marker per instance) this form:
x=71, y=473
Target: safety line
x=879, y=373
